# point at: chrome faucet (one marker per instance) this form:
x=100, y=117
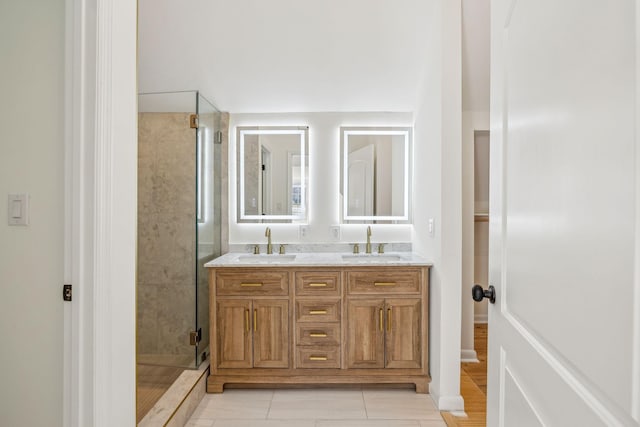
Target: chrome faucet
x=368, y=248
x=267, y=234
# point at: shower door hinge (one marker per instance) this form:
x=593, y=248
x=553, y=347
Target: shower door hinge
x=66, y=292
x=218, y=137
x=195, y=337
x=193, y=121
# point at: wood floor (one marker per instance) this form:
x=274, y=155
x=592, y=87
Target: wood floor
x=152, y=383
x=473, y=386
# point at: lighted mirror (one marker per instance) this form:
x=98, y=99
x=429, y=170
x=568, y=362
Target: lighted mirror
x=273, y=174
x=375, y=174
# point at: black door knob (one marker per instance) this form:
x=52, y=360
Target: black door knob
x=479, y=293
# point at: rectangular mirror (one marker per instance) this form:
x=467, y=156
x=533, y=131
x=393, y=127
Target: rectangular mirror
x=375, y=174
x=273, y=174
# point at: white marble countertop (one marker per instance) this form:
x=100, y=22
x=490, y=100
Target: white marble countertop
x=318, y=259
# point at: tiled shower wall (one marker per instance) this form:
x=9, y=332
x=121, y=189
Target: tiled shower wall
x=166, y=237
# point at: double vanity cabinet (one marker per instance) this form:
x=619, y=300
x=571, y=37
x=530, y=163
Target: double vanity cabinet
x=312, y=323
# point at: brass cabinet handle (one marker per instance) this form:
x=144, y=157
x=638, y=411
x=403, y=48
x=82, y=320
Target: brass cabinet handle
x=255, y=320
x=381, y=321
x=384, y=283
x=318, y=334
x=389, y=319
x=246, y=320
x=317, y=312
x=251, y=285
x=317, y=357
x=317, y=285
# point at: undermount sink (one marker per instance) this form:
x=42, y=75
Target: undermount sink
x=266, y=259
x=370, y=258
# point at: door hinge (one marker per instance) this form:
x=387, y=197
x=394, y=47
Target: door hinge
x=193, y=121
x=66, y=292
x=218, y=137
x=195, y=337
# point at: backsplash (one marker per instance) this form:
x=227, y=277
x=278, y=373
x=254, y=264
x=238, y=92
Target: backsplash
x=320, y=247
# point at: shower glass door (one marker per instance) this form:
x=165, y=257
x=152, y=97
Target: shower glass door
x=208, y=214
x=178, y=227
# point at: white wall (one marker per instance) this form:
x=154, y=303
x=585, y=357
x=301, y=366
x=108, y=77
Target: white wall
x=31, y=258
x=324, y=176
x=475, y=103
x=437, y=195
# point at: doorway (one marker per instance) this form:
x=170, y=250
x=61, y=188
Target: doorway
x=473, y=374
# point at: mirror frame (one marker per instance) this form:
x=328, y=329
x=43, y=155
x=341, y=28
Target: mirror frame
x=303, y=132
x=345, y=132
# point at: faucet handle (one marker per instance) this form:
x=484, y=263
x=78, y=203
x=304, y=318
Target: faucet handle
x=380, y=248
x=281, y=251
x=356, y=248
x=256, y=250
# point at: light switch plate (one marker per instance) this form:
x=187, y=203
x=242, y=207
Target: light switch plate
x=18, y=209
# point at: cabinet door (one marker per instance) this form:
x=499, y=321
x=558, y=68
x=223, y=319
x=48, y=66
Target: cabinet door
x=270, y=333
x=234, y=334
x=365, y=333
x=402, y=329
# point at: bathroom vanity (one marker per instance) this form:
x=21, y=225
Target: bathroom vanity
x=318, y=319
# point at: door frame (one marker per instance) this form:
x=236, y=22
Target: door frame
x=100, y=212
x=100, y=131
x=472, y=122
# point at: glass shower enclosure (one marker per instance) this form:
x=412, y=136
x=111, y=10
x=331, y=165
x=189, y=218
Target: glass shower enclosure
x=178, y=225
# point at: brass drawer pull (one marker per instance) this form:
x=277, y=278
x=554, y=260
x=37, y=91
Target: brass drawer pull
x=255, y=320
x=384, y=283
x=251, y=285
x=319, y=358
x=317, y=312
x=246, y=320
x=389, y=319
x=318, y=334
x=317, y=285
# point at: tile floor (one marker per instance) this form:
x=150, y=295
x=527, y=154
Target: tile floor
x=316, y=408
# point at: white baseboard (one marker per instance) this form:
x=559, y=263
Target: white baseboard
x=453, y=404
x=480, y=318
x=468, y=356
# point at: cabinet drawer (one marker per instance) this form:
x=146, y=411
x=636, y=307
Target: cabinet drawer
x=318, y=357
x=263, y=282
x=318, y=283
x=317, y=310
x=396, y=281
x=318, y=334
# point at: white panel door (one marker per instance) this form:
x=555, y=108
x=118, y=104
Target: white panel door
x=564, y=330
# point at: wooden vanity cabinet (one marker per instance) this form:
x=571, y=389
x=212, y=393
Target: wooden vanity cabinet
x=384, y=333
x=318, y=319
x=253, y=333
x=318, y=325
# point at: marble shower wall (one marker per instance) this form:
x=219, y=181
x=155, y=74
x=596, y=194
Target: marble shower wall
x=166, y=235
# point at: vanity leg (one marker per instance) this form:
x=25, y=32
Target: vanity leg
x=422, y=386
x=214, y=386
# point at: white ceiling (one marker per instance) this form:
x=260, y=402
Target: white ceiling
x=291, y=55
